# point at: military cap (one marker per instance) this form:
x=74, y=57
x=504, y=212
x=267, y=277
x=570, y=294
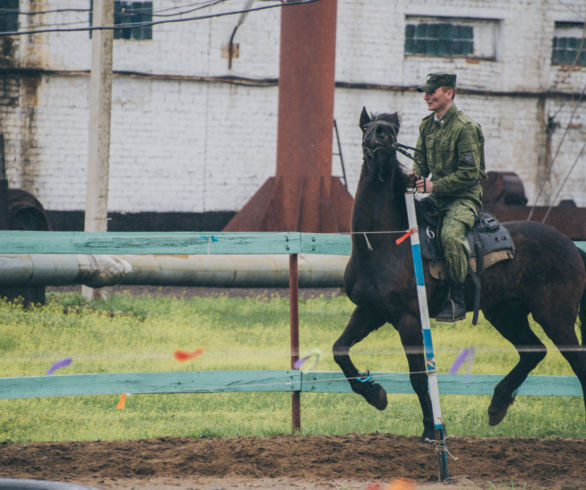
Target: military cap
x=436, y=80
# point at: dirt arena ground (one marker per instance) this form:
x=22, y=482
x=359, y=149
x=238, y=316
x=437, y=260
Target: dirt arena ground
x=302, y=462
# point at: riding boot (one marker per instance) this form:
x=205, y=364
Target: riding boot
x=454, y=308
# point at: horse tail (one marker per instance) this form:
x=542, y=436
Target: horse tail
x=582, y=313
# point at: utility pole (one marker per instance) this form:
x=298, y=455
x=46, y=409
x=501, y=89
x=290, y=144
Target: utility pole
x=100, y=105
x=4, y=217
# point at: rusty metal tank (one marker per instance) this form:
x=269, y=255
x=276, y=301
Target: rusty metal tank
x=504, y=197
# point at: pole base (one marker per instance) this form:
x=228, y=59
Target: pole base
x=306, y=205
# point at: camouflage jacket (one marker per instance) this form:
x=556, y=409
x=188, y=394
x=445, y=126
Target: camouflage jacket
x=452, y=151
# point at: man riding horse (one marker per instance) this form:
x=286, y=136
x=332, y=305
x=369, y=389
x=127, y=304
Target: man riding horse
x=450, y=147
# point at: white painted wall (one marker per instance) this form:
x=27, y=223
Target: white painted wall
x=183, y=144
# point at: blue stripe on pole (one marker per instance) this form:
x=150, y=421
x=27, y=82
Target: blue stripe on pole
x=417, y=264
x=427, y=343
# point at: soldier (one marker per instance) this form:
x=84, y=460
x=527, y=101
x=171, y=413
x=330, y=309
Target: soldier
x=450, y=148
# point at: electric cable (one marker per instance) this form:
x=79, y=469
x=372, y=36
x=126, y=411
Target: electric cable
x=7, y=11
x=563, y=183
x=123, y=25
x=546, y=178
x=155, y=22
x=571, y=68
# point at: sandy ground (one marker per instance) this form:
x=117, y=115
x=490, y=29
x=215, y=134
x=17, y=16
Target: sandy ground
x=303, y=462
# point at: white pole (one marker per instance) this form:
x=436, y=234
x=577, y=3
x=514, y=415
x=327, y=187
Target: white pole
x=100, y=106
x=427, y=341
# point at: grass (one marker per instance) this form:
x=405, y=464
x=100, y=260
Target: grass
x=139, y=334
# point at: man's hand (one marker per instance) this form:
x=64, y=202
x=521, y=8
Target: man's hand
x=424, y=185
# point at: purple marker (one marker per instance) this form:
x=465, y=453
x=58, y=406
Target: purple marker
x=459, y=361
x=299, y=362
x=59, y=364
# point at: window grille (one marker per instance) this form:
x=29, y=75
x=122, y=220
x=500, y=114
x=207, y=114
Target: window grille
x=452, y=37
x=8, y=15
x=441, y=39
x=569, y=45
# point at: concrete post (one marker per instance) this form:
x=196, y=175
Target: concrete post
x=4, y=217
x=96, y=210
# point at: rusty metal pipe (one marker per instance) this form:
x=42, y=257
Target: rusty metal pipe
x=294, y=335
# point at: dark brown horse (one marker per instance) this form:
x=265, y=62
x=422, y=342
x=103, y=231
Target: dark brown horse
x=547, y=278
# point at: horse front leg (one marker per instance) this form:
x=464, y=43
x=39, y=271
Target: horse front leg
x=409, y=329
x=361, y=323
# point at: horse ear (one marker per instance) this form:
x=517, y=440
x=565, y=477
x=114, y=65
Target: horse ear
x=364, y=118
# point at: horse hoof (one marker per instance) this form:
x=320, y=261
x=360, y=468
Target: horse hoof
x=376, y=396
x=495, y=418
x=427, y=438
x=496, y=414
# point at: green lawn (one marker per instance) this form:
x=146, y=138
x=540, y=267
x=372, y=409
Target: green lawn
x=139, y=334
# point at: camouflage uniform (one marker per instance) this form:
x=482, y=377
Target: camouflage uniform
x=452, y=151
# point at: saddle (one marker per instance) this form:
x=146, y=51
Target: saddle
x=489, y=243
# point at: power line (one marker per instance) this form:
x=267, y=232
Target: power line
x=5, y=11
x=572, y=66
x=9, y=11
x=196, y=6
x=546, y=177
x=155, y=22
x=563, y=183
x=200, y=5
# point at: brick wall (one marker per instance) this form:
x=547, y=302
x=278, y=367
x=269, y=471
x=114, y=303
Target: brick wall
x=184, y=140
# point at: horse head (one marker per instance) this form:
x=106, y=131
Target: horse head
x=379, y=140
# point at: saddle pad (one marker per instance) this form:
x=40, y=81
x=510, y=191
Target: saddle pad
x=437, y=268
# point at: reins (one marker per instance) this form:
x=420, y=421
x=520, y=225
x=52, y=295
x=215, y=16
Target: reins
x=401, y=148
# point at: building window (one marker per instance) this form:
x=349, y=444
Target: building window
x=569, y=45
x=131, y=13
x=9, y=16
x=451, y=37
x=439, y=39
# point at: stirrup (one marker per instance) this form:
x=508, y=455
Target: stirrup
x=448, y=312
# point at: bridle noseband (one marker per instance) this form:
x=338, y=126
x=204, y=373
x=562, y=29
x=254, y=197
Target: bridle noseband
x=371, y=153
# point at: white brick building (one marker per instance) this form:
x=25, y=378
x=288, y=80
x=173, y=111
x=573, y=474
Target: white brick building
x=187, y=138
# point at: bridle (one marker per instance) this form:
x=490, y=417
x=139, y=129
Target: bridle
x=400, y=147
x=369, y=154
x=369, y=129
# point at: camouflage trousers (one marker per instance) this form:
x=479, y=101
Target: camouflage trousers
x=459, y=217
